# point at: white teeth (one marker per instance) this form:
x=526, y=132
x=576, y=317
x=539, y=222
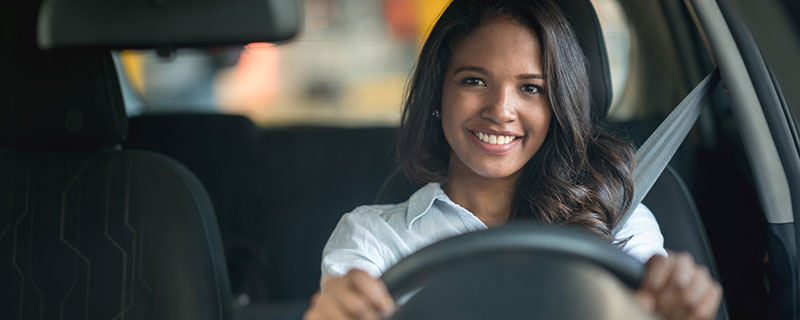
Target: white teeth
x=493, y=139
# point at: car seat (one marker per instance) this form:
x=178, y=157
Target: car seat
x=87, y=229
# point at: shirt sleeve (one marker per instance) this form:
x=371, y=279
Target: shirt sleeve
x=352, y=245
x=645, y=235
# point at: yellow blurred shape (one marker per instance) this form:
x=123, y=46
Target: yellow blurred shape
x=428, y=12
x=133, y=63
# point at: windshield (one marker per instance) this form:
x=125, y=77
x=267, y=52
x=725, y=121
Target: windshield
x=348, y=67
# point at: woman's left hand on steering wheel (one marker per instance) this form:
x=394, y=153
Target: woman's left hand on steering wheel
x=675, y=287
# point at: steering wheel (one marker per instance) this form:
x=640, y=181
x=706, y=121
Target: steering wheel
x=517, y=271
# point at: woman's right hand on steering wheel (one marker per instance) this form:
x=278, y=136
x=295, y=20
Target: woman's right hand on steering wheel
x=356, y=295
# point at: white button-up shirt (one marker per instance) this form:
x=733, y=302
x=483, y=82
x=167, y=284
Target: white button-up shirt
x=373, y=238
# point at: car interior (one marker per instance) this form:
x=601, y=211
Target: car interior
x=187, y=215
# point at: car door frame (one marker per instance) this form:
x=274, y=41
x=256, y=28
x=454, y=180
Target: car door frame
x=770, y=139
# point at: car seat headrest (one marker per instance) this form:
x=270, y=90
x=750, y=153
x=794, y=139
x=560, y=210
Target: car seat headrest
x=54, y=100
x=582, y=16
x=166, y=23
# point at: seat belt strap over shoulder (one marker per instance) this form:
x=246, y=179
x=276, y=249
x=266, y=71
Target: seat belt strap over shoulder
x=656, y=152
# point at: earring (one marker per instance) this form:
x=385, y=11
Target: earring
x=436, y=114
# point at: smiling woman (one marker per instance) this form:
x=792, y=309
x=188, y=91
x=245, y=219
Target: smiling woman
x=498, y=122
x=506, y=78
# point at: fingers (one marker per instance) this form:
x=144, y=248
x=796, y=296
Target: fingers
x=678, y=288
x=373, y=289
x=324, y=308
x=354, y=296
x=707, y=302
x=658, y=270
x=671, y=301
x=707, y=309
x=700, y=285
x=355, y=306
x=690, y=296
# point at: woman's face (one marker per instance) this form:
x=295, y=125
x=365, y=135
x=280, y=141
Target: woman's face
x=495, y=114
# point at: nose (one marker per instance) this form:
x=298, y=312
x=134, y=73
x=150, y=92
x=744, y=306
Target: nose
x=501, y=106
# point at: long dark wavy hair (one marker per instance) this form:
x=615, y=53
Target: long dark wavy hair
x=580, y=176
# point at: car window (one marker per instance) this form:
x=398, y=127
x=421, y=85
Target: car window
x=778, y=42
x=617, y=35
x=348, y=67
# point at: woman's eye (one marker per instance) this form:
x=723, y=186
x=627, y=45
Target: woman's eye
x=532, y=89
x=473, y=82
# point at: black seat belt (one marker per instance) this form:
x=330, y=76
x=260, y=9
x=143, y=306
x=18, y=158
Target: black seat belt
x=656, y=152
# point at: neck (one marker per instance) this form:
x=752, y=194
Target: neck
x=489, y=199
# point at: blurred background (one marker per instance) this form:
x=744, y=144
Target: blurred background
x=348, y=67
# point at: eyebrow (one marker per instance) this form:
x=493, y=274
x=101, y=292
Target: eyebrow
x=484, y=71
x=531, y=76
x=471, y=68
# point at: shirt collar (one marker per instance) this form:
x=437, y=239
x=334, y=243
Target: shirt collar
x=421, y=201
